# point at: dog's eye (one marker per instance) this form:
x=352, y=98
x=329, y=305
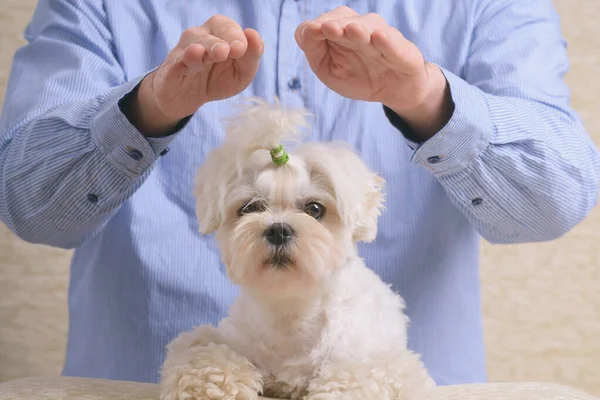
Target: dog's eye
x=252, y=207
x=315, y=210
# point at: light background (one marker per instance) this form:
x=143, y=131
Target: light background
x=541, y=301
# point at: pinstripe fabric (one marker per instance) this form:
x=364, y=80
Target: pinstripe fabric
x=514, y=164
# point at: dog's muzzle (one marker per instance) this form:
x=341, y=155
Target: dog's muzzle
x=279, y=234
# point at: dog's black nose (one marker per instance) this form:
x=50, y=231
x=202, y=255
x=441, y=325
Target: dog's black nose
x=279, y=234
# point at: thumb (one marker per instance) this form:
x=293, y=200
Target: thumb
x=249, y=62
x=311, y=41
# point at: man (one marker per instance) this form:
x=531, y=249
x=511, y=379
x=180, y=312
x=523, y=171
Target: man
x=458, y=104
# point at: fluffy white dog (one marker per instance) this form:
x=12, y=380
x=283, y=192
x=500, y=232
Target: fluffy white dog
x=312, y=321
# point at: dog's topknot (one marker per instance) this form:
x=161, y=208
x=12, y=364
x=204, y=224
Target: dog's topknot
x=263, y=126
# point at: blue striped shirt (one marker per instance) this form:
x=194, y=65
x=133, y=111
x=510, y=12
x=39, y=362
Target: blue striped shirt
x=514, y=164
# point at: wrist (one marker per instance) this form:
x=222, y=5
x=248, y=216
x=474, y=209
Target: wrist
x=143, y=111
x=431, y=114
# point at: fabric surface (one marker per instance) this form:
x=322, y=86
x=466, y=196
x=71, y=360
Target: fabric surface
x=514, y=164
x=49, y=388
x=541, y=302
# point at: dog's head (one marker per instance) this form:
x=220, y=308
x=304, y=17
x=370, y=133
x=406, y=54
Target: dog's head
x=282, y=229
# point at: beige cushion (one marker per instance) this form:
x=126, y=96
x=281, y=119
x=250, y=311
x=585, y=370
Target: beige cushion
x=54, y=388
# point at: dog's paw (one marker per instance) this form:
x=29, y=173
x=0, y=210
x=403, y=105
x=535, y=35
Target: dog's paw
x=211, y=372
x=400, y=377
x=294, y=388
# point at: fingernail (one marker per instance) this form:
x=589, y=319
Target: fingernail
x=215, y=46
x=236, y=42
x=302, y=33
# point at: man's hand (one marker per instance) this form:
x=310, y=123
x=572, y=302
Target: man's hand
x=212, y=62
x=361, y=57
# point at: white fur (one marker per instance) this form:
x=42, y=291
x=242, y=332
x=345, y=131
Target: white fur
x=319, y=325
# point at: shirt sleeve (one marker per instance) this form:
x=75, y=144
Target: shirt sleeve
x=69, y=157
x=514, y=157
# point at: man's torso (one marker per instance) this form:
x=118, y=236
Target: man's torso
x=150, y=275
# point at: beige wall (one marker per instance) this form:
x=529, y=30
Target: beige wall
x=33, y=279
x=541, y=301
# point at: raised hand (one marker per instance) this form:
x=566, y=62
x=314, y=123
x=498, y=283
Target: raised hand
x=211, y=62
x=363, y=58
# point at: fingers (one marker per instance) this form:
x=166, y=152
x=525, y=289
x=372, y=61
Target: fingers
x=217, y=49
x=255, y=45
x=397, y=50
x=367, y=34
x=386, y=45
x=193, y=58
x=221, y=37
x=346, y=28
x=214, y=49
x=357, y=34
x=353, y=31
x=350, y=33
x=193, y=54
x=337, y=13
x=308, y=35
x=249, y=62
x=218, y=40
x=229, y=32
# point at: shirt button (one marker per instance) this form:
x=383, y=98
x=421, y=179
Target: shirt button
x=92, y=198
x=294, y=84
x=433, y=160
x=477, y=201
x=136, y=155
x=165, y=151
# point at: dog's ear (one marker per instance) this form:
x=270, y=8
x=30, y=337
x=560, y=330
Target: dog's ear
x=212, y=184
x=357, y=190
x=369, y=210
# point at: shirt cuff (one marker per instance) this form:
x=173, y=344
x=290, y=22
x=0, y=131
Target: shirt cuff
x=403, y=127
x=463, y=138
x=121, y=143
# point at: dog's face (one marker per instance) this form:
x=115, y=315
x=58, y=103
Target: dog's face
x=282, y=230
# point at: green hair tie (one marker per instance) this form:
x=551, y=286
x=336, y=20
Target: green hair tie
x=279, y=155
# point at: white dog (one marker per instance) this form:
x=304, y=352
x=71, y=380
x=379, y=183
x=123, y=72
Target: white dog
x=312, y=321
